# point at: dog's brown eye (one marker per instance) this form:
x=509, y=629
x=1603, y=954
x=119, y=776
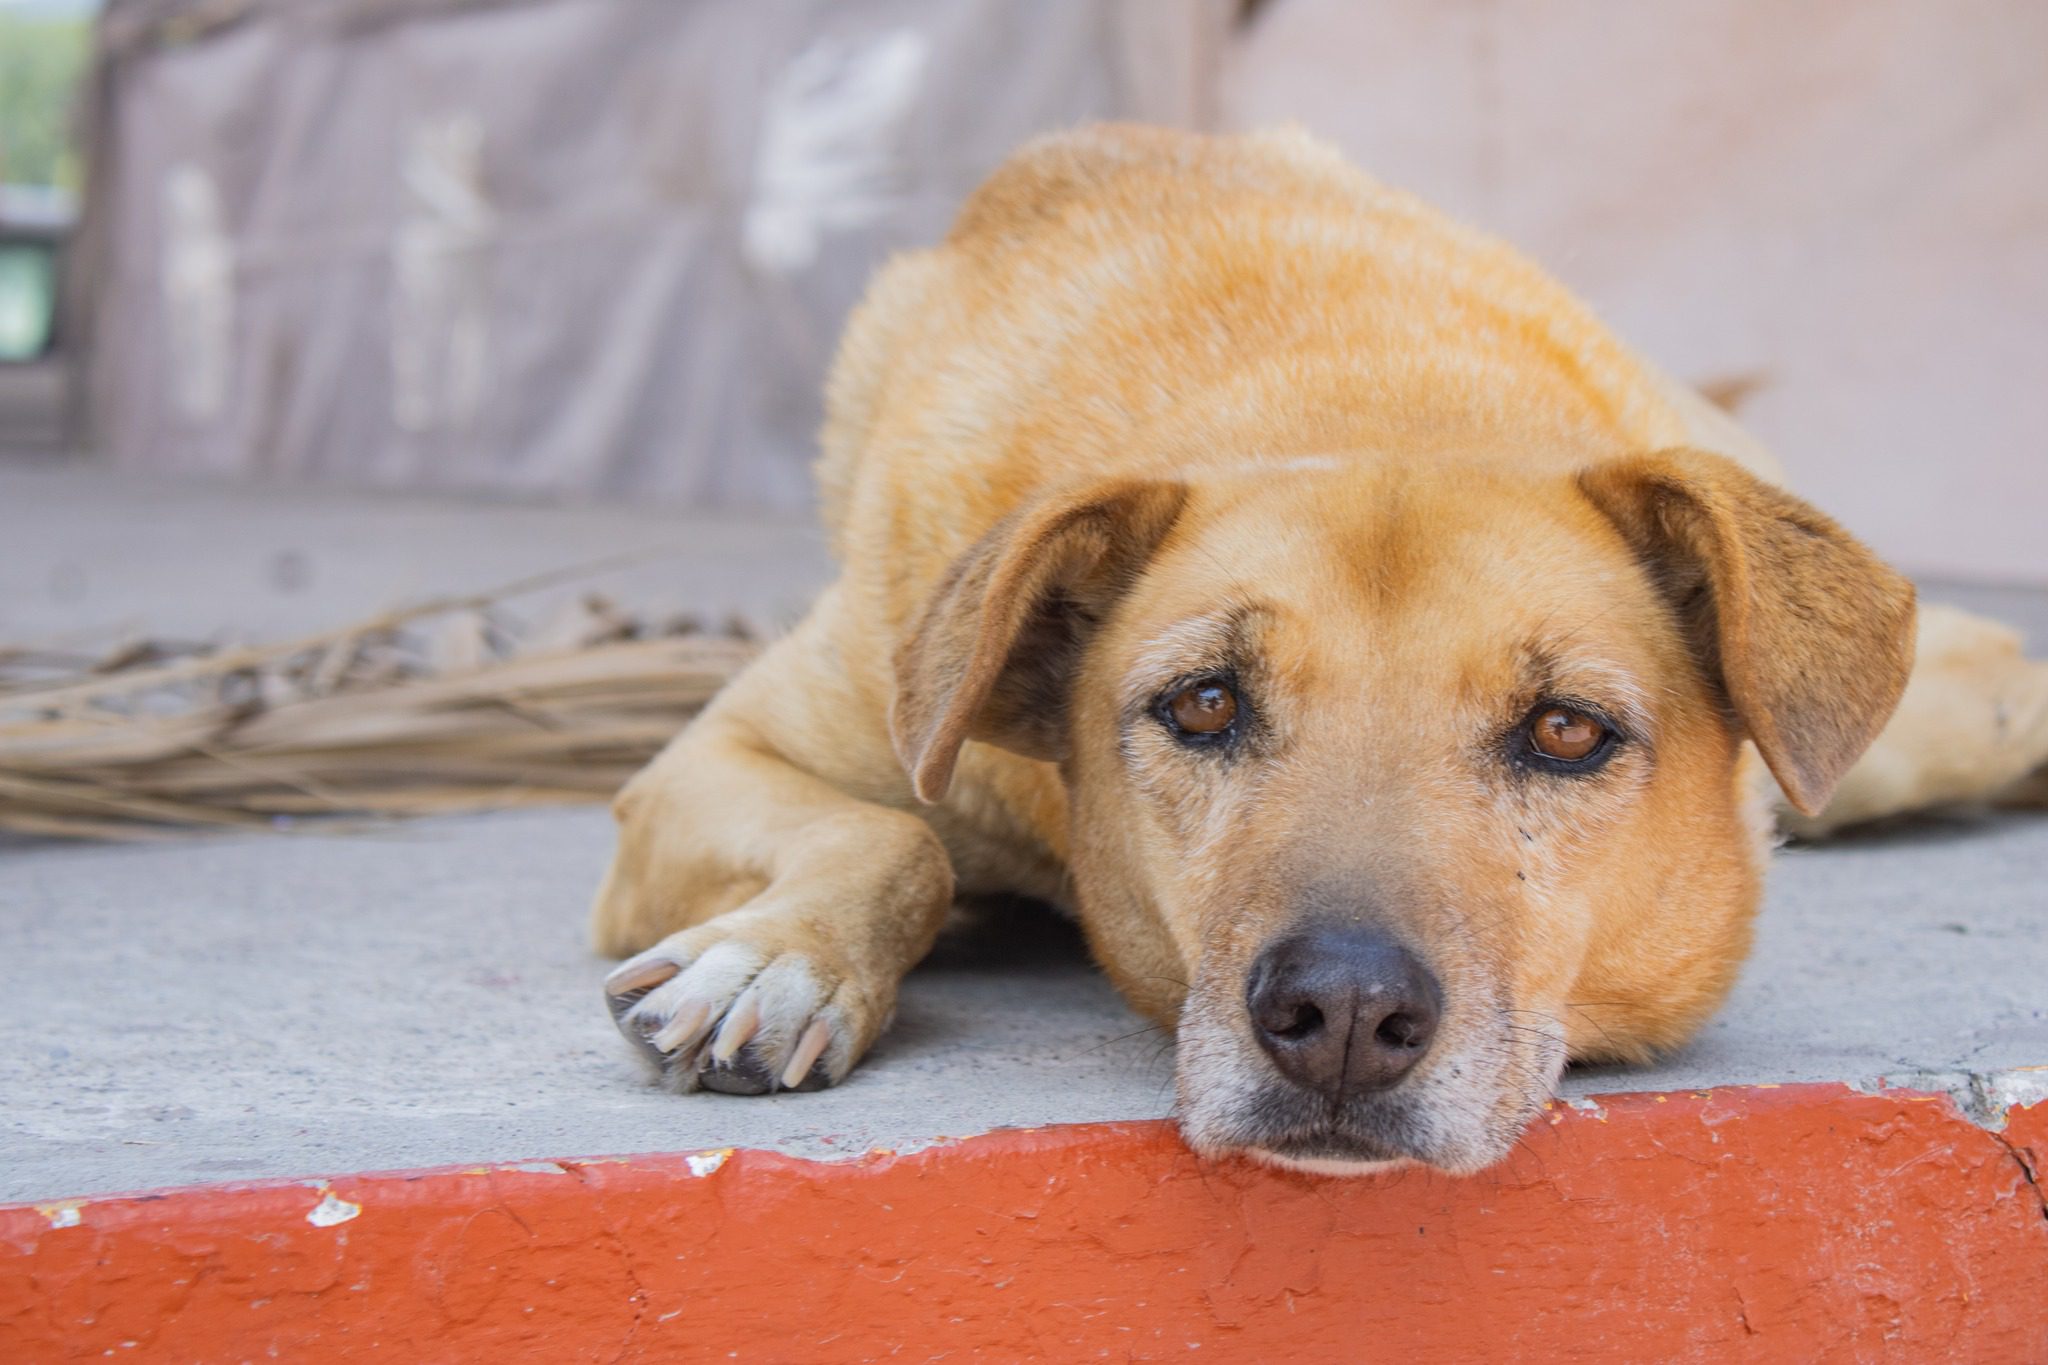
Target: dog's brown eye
x=1204, y=709
x=1566, y=735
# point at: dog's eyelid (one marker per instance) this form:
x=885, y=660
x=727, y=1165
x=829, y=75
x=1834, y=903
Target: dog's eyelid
x=1143, y=692
x=1630, y=724
x=1606, y=715
x=1522, y=747
x=1215, y=644
x=1143, y=696
x=1605, y=691
x=1621, y=722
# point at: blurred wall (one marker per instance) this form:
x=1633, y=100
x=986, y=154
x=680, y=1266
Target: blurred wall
x=547, y=246
x=1845, y=202
x=566, y=246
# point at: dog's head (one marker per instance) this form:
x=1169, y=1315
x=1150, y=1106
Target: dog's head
x=1403, y=784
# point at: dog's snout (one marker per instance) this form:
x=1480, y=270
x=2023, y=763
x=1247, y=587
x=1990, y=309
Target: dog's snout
x=1343, y=1011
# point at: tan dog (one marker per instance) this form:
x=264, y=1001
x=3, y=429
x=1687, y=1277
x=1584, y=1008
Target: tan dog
x=1310, y=595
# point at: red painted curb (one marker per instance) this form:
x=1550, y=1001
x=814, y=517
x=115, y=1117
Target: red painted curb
x=1798, y=1223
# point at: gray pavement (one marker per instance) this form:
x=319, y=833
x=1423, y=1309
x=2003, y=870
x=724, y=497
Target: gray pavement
x=92, y=556
x=314, y=1003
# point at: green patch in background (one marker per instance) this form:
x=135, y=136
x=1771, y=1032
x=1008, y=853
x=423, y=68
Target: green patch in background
x=28, y=299
x=42, y=59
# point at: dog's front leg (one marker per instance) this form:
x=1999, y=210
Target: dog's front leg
x=773, y=915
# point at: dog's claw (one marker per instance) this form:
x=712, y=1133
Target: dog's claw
x=808, y=1049
x=689, y=1021
x=739, y=1026
x=640, y=974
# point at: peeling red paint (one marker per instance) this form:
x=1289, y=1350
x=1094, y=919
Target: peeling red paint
x=1784, y=1223
x=2026, y=1136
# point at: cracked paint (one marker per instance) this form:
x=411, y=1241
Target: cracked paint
x=1984, y=1097
x=2019, y=1088
x=1800, y=1222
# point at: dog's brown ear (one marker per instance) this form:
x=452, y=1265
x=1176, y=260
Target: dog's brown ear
x=1810, y=633
x=992, y=655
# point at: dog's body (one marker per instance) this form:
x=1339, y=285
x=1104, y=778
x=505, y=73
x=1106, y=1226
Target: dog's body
x=1219, y=532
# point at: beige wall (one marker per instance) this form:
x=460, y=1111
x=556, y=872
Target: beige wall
x=1849, y=200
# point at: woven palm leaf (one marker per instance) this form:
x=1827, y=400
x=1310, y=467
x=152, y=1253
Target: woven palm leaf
x=446, y=707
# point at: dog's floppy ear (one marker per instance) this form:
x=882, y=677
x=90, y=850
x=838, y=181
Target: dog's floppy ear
x=1810, y=634
x=995, y=649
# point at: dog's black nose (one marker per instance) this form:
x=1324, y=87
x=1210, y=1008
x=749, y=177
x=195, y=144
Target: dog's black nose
x=1343, y=1011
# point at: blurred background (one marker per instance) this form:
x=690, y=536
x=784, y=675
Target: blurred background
x=597, y=252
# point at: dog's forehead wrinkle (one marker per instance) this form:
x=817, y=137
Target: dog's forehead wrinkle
x=1564, y=672
x=1170, y=650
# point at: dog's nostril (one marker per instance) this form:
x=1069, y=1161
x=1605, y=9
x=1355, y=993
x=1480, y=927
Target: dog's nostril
x=1307, y=1019
x=1285, y=1016
x=1402, y=1029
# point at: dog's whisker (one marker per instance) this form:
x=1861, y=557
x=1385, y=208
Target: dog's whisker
x=1120, y=1038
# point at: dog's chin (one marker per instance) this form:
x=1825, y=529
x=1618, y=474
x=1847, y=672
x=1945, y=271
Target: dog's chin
x=1282, y=1128
x=1278, y=1133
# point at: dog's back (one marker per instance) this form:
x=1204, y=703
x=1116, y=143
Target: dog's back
x=1119, y=295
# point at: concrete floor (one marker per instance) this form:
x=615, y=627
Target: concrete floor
x=315, y=1003
x=88, y=556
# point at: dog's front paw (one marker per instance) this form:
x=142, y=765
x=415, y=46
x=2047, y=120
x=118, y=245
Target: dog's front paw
x=711, y=1009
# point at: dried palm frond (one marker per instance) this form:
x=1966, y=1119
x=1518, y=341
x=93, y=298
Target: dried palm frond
x=449, y=706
